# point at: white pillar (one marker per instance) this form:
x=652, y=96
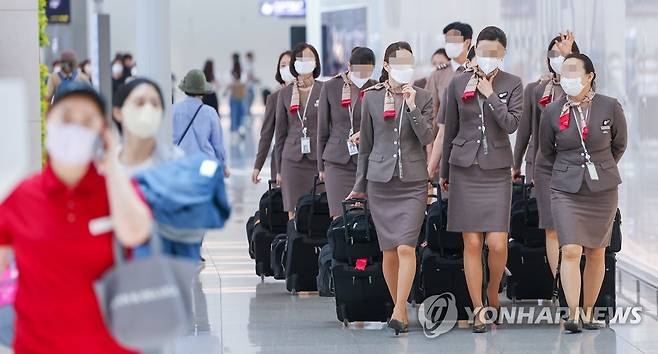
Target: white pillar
x=314, y=25
x=153, y=56
x=19, y=59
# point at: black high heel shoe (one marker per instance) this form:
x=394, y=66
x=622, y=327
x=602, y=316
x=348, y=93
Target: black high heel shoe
x=398, y=326
x=592, y=326
x=481, y=328
x=573, y=326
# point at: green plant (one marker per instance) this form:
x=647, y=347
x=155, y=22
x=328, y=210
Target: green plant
x=43, y=75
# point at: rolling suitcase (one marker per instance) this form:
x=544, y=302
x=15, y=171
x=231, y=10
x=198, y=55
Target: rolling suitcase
x=436, y=227
x=324, y=279
x=353, y=235
x=302, y=255
x=278, y=256
x=270, y=208
x=531, y=276
x=262, y=243
x=312, y=213
x=251, y=224
x=361, y=294
x=444, y=272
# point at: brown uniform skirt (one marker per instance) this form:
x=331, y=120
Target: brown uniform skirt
x=398, y=210
x=543, y=194
x=584, y=218
x=480, y=200
x=297, y=180
x=339, y=181
x=529, y=171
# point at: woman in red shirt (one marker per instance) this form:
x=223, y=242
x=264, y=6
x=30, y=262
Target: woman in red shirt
x=60, y=224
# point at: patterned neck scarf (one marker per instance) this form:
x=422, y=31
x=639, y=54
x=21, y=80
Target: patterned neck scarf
x=471, y=87
x=565, y=115
x=549, y=90
x=389, y=99
x=346, y=93
x=296, y=85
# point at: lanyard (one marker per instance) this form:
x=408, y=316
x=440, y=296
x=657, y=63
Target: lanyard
x=399, y=135
x=583, y=118
x=302, y=120
x=485, y=147
x=350, y=110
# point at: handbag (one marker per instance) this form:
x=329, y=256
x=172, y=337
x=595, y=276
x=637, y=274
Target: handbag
x=189, y=125
x=146, y=302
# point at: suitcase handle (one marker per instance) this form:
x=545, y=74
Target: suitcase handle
x=353, y=201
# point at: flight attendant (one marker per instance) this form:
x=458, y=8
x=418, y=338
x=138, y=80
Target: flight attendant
x=538, y=169
x=396, y=125
x=296, y=127
x=339, y=121
x=283, y=77
x=583, y=134
x=483, y=106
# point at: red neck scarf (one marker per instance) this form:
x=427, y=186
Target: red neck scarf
x=565, y=115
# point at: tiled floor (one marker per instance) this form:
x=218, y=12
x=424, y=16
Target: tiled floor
x=237, y=313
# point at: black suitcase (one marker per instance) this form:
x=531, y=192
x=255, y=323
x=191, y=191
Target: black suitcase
x=251, y=224
x=302, y=260
x=353, y=235
x=278, y=256
x=436, y=233
x=524, y=219
x=262, y=243
x=607, y=300
x=531, y=276
x=615, y=241
x=324, y=279
x=270, y=208
x=361, y=295
x=312, y=216
x=444, y=272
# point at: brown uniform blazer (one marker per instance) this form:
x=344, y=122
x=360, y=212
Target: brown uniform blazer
x=267, y=131
x=502, y=111
x=524, y=145
x=288, y=128
x=606, y=142
x=437, y=84
x=538, y=110
x=378, y=148
x=334, y=122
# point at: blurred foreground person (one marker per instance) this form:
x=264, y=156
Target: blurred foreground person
x=60, y=224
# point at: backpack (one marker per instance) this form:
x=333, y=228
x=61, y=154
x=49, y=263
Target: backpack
x=64, y=82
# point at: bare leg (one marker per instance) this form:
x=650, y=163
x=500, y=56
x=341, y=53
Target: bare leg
x=552, y=249
x=473, y=242
x=570, y=277
x=406, y=272
x=390, y=267
x=497, y=259
x=592, y=278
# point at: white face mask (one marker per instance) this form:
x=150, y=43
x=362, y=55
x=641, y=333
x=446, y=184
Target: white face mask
x=57, y=69
x=572, y=87
x=556, y=64
x=142, y=121
x=358, y=81
x=488, y=65
x=286, y=75
x=304, y=67
x=453, y=50
x=402, y=74
x=70, y=144
x=117, y=69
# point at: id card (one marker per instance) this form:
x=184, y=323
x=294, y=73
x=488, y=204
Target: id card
x=306, y=145
x=592, y=171
x=352, y=148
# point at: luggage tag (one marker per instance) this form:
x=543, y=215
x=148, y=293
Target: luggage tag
x=592, y=171
x=351, y=147
x=306, y=143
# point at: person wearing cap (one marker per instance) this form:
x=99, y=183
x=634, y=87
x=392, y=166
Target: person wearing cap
x=196, y=125
x=68, y=73
x=60, y=224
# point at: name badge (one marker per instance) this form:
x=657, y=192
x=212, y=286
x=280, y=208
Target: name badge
x=605, y=128
x=352, y=148
x=592, y=171
x=503, y=96
x=101, y=226
x=317, y=103
x=306, y=145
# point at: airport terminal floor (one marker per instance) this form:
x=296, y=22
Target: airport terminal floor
x=237, y=313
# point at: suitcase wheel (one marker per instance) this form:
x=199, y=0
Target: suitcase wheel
x=346, y=323
x=262, y=278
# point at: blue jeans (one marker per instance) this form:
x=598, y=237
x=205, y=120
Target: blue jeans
x=237, y=114
x=6, y=325
x=191, y=251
